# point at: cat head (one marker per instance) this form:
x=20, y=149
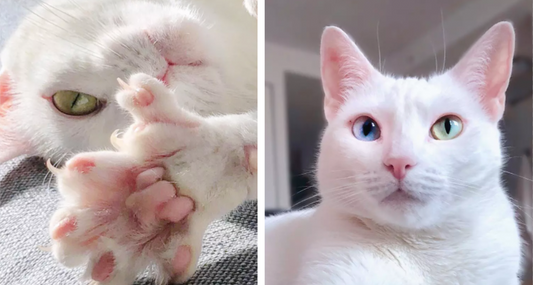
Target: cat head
x=410, y=151
x=60, y=68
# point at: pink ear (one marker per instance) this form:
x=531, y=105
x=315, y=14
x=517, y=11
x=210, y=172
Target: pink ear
x=344, y=69
x=11, y=144
x=486, y=68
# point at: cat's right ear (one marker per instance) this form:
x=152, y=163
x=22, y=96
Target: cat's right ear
x=344, y=68
x=11, y=145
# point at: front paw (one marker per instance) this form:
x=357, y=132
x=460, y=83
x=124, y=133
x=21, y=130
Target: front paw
x=212, y=160
x=125, y=210
x=118, y=217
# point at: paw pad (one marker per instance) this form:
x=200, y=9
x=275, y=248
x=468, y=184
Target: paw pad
x=143, y=97
x=64, y=227
x=103, y=269
x=123, y=215
x=81, y=165
x=181, y=259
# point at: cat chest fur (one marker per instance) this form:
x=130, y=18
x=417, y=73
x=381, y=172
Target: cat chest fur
x=487, y=253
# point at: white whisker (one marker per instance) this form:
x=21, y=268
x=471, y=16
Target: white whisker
x=379, y=47
x=443, y=40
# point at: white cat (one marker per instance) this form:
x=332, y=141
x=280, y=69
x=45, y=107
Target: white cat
x=205, y=51
x=409, y=173
x=191, y=95
x=119, y=217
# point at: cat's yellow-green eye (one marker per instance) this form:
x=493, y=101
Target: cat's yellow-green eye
x=447, y=128
x=75, y=103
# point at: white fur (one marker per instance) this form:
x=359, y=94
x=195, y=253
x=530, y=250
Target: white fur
x=208, y=163
x=85, y=45
x=464, y=232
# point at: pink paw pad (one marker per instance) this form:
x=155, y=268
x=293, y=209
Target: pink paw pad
x=181, y=260
x=143, y=97
x=149, y=177
x=104, y=267
x=81, y=165
x=152, y=196
x=64, y=227
x=176, y=209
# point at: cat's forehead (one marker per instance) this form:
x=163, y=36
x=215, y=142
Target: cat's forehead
x=411, y=98
x=407, y=89
x=398, y=94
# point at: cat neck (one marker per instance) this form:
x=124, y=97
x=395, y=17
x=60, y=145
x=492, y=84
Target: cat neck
x=491, y=204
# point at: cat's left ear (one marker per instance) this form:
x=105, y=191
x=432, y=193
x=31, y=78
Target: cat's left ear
x=486, y=68
x=11, y=143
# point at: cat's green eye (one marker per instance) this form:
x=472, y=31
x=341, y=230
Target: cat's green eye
x=447, y=128
x=75, y=103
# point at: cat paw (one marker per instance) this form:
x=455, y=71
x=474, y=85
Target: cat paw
x=119, y=216
x=123, y=211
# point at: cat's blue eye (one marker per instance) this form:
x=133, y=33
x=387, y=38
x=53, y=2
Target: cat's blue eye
x=366, y=129
x=447, y=128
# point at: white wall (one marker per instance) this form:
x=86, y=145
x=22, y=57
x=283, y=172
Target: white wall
x=280, y=60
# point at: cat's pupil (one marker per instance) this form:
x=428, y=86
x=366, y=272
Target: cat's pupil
x=75, y=100
x=447, y=125
x=368, y=126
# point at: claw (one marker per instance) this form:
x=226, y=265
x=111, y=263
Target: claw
x=56, y=171
x=117, y=142
x=124, y=84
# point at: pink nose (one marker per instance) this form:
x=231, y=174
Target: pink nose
x=398, y=166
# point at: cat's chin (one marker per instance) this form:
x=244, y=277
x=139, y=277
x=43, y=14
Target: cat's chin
x=401, y=197
x=406, y=209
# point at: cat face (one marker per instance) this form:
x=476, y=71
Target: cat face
x=410, y=151
x=60, y=68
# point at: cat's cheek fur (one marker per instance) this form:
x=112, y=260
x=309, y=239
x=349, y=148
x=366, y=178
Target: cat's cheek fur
x=338, y=164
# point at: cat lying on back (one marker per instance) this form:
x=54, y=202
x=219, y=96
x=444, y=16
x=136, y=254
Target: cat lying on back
x=409, y=173
x=59, y=68
x=187, y=154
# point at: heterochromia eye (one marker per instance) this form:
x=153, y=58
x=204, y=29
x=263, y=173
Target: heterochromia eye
x=447, y=128
x=366, y=129
x=75, y=103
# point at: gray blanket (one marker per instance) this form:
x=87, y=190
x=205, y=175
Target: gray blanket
x=28, y=198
